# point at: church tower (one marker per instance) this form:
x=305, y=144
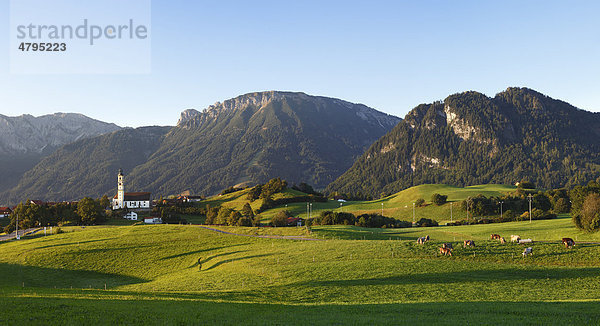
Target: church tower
x=120, y=190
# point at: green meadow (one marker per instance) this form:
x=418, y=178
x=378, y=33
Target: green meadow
x=150, y=275
x=398, y=205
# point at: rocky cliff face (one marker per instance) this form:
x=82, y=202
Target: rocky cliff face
x=470, y=138
x=27, y=134
x=257, y=136
x=370, y=116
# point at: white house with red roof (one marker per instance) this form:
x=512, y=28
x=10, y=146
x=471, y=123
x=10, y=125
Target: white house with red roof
x=5, y=212
x=133, y=200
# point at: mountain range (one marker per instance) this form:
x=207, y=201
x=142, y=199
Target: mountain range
x=242, y=141
x=468, y=138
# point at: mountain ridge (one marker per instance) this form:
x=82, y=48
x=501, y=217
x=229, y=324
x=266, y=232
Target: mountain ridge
x=245, y=140
x=470, y=138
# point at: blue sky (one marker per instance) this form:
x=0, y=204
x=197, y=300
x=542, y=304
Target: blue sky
x=390, y=55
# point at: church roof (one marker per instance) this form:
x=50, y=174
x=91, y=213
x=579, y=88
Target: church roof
x=136, y=196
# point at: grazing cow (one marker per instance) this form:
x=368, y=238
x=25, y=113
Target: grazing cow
x=422, y=240
x=495, y=237
x=445, y=251
x=502, y=241
x=447, y=246
x=515, y=238
x=528, y=251
x=469, y=243
x=568, y=242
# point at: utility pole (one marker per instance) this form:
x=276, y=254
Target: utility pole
x=381, y=209
x=530, y=197
x=413, y=213
x=450, y=212
x=17, y=230
x=307, y=215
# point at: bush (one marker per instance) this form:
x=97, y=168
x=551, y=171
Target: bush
x=438, y=199
x=526, y=184
x=280, y=219
x=562, y=205
x=427, y=222
x=420, y=202
x=588, y=219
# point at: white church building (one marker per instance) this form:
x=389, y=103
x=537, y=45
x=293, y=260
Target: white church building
x=129, y=199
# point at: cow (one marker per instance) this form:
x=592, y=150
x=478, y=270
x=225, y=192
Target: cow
x=422, y=240
x=447, y=246
x=528, y=251
x=502, y=241
x=568, y=242
x=469, y=243
x=495, y=237
x=445, y=251
x=515, y=238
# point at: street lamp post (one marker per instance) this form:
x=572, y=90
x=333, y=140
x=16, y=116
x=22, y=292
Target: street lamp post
x=17, y=230
x=310, y=210
x=381, y=209
x=342, y=207
x=413, y=213
x=450, y=212
x=501, y=209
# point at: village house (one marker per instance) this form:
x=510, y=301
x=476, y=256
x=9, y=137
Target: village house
x=5, y=212
x=132, y=216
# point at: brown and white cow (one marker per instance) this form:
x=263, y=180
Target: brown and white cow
x=568, y=242
x=495, y=237
x=445, y=251
x=422, y=240
x=469, y=243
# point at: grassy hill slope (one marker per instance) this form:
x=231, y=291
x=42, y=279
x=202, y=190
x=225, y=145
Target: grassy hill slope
x=398, y=205
x=151, y=276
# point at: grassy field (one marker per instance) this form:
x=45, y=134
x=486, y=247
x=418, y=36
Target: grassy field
x=151, y=276
x=398, y=205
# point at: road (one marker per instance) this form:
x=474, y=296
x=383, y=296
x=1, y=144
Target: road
x=21, y=233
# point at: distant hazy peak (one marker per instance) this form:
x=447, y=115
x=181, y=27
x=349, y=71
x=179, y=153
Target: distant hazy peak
x=29, y=134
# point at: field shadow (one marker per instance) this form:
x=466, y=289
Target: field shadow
x=40, y=310
x=45, y=277
x=72, y=243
